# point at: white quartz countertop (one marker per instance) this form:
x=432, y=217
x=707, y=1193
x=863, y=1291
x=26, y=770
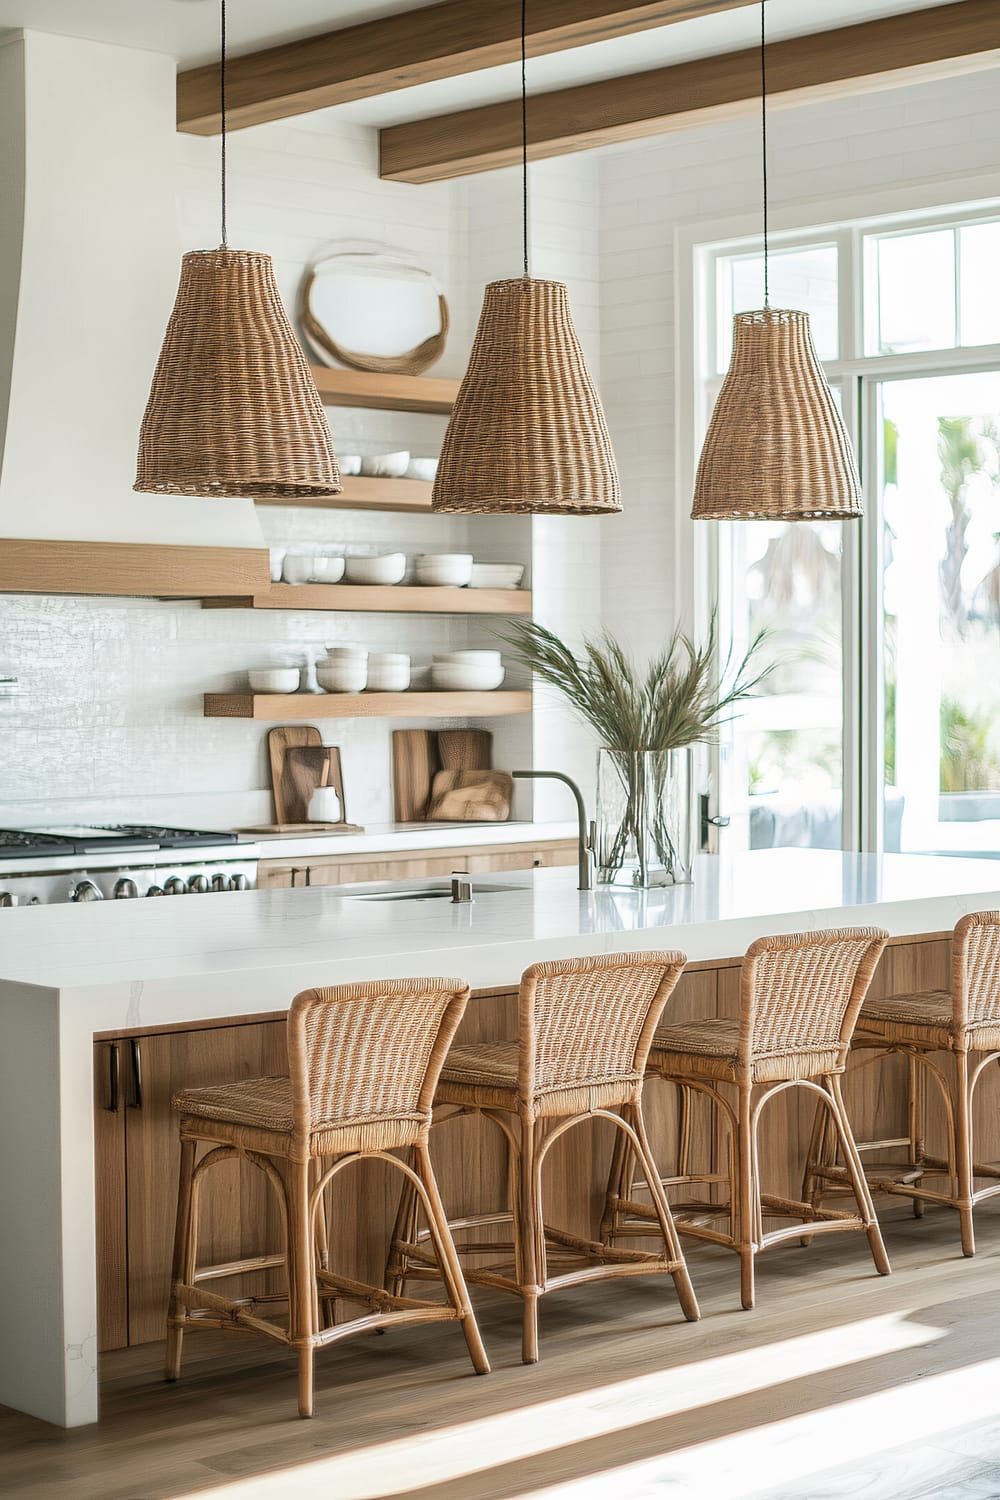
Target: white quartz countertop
x=268, y=944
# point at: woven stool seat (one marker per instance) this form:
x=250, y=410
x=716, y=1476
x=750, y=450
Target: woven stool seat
x=963, y=1024
x=363, y=1063
x=584, y=1032
x=799, y=998
x=264, y=1103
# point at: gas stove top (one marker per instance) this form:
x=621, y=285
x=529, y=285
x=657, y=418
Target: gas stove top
x=32, y=843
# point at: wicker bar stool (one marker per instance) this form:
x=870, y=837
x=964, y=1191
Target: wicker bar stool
x=963, y=1024
x=363, y=1063
x=799, y=999
x=584, y=1030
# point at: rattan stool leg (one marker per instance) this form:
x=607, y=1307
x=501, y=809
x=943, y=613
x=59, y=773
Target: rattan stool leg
x=963, y=1151
x=745, y=1198
x=915, y=1119
x=185, y=1254
x=856, y=1172
x=404, y=1232
x=671, y=1239
x=526, y=1231
x=448, y=1258
x=620, y=1178
x=301, y=1279
x=821, y=1152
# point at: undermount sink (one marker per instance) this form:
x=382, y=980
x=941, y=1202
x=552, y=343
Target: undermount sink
x=430, y=893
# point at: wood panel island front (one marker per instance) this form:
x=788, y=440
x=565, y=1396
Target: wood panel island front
x=106, y=1010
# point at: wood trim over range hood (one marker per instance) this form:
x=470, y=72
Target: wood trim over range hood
x=912, y=47
x=412, y=47
x=130, y=569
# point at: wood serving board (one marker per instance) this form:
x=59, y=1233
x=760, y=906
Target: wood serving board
x=419, y=754
x=305, y=768
x=470, y=797
x=278, y=741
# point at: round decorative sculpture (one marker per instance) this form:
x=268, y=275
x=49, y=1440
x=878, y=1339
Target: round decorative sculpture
x=378, y=296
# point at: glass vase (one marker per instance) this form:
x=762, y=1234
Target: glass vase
x=645, y=818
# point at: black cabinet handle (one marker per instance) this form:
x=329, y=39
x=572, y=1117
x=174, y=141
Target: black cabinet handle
x=136, y=1058
x=114, y=1071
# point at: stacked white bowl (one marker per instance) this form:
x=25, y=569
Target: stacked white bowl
x=388, y=672
x=444, y=570
x=344, y=669
x=467, y=671
x=496, y=575
x=377, y=570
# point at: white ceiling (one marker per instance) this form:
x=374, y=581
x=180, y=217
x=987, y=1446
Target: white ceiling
x=188, y=30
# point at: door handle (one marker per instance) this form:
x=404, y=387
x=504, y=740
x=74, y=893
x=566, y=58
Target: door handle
x=114, y=1073
x=708, y=820
x=135, y=1056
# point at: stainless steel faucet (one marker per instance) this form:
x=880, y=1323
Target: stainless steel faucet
x=586, y=835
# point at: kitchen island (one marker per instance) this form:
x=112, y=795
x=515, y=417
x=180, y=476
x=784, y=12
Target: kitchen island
x=71, y=973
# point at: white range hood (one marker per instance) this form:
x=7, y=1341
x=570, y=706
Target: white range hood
x=89, y=262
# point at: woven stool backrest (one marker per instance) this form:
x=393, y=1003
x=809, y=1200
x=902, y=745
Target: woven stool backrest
x=369, y=1051
x=589, y=1020
x=802, y=992
x=975, y=960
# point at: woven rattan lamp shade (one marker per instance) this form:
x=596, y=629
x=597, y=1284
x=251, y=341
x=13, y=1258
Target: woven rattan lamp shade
x=527, y=435
x=233, y=408
x=776, y=448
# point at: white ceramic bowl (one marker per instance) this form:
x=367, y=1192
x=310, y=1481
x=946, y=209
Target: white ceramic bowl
x=422, y=468
x=328, y=569
x=349, y=463
x=496, y=575
x=453, y=677
x=386, y=465
x=346, y=653
x=376, y=570
x=274, y=680
x=443, y=569
x=393, y=678
x=388, y=659
x=490, y=659
x=296, y=567
x=342, y=677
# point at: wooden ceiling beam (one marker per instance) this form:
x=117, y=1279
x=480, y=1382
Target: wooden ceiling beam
x=940, y=42
x=413, y=47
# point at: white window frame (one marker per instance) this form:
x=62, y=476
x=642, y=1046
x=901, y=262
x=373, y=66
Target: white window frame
x=846, y=222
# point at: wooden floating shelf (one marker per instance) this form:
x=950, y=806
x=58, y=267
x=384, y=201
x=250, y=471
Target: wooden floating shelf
x=130, y=570
x=304, y=707
x=427, y=393
x=362, y=492
x=384, y=599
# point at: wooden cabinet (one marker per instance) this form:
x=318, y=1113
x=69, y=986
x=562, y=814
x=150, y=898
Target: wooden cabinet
x=419, y=864
x=137, y=1156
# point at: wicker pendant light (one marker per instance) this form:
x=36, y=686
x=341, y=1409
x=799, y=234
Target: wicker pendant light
x=233, y=408
x=527, y=434
x=776, y=448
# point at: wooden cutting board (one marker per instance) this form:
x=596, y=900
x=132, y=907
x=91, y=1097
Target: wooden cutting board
x=278, y=741
x=470, y=797
x=306, y=767
x=465, y=749
x=414, y=763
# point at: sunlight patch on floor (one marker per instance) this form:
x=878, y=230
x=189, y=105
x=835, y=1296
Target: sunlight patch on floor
x=778, y=1454
x=448, y=1453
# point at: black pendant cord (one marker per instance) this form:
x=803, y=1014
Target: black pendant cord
x=524, y=130
x=763, y=143
x=222, y=116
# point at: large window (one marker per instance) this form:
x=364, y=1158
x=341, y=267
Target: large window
x=880, y=725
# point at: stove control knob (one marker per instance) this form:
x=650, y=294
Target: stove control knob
x=197, y=884
x=175, y=886
x=87, y=891
x=155, y=890
x=7, y=899
x=126, y=889
x=220, y=883
x=239, y=883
